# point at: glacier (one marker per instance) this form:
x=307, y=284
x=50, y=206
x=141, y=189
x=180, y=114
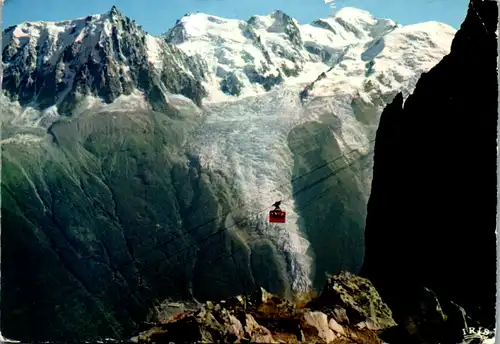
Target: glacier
x=245, y=136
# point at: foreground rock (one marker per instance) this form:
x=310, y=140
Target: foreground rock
x=349, y=298
x=348, y=310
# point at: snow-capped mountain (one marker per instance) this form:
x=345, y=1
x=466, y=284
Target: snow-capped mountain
x=51, y=64
x=271, y=99
x=251, y=57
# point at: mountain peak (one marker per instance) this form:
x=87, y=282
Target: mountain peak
x=362, y=24
x=114, y=14
x=114, y=10
x=279, y=14
x=353, y=13
x=105, y=56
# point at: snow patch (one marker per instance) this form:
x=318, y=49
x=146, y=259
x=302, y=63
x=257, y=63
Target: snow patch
x=154, y=51
x=22, y=139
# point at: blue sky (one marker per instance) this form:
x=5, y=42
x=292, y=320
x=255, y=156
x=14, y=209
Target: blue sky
x=157, y=16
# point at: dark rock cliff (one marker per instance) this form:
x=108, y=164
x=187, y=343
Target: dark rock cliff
x=432, y=211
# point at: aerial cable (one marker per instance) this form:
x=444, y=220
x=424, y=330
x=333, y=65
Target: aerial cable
x=294, y=180
x=139, y=271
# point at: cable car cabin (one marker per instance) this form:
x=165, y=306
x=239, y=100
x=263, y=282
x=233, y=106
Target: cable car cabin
x=277, y=216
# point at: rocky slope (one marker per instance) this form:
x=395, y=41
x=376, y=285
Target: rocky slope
x=348, y=310
x=115, y=177
x=432, y=211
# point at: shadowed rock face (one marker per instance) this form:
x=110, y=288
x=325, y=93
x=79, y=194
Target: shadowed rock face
x=432, y=211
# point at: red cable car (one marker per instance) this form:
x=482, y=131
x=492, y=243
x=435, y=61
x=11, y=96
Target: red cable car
x=277, y=215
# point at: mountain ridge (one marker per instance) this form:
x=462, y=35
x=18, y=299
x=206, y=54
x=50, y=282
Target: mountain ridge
x=129, y=52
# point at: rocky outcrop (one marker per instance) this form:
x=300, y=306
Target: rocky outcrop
x=355, y=299
x=432, y=211
x=265, y=318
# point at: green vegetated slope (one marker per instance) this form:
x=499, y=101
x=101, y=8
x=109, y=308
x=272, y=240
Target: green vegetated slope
x=104, y=200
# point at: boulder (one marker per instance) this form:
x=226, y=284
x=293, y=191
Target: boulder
x=316, y=324
x=256, y=332
x=336, y=327
x=349, y=298
x=340, y=315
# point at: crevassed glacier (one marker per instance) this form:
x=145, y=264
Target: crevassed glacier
x=247, y=139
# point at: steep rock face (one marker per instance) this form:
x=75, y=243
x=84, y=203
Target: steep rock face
x=337, y=241
x=432, y=211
